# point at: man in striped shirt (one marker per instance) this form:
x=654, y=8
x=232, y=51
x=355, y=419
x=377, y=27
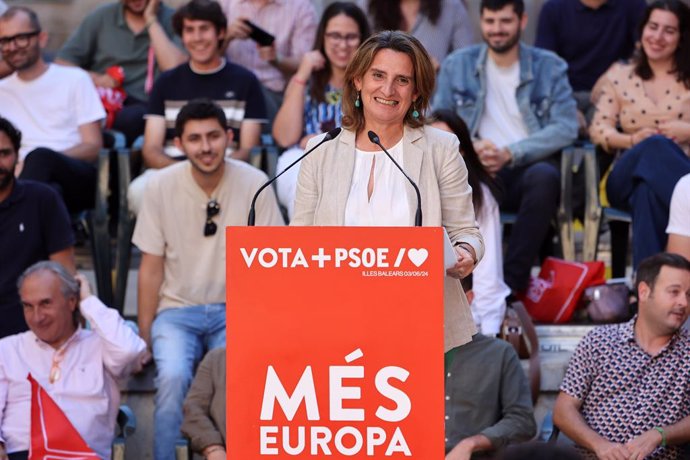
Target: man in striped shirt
x=202, y=27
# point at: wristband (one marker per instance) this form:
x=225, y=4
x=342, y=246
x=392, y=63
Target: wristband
x=300, y=81
x=663, y=435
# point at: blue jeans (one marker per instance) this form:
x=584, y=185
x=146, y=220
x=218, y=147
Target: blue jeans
x=180, y=337
x=642, y=182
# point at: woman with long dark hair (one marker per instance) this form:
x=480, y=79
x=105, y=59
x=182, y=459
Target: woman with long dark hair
x=490, y=291
x=643, y=110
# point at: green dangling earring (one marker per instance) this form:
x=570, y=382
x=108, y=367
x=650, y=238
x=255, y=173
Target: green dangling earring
x=415, y=113
x=358, y=103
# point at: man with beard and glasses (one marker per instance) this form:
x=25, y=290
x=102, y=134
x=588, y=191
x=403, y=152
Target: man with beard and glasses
x=56, y=108
x=180, y=231
x=136, y=35
x=518, y=104
x=34, y=225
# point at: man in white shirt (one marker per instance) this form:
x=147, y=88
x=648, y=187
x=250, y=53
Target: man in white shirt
x=293, y=25
x=78, y=368
x=518, y=104
x=56, y=108
x=678, y=229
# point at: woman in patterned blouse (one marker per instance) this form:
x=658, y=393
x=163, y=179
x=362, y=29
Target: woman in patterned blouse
x=643, y=110
x=312, y=98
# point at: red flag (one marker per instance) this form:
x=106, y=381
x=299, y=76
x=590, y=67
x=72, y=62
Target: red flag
x=52, y=435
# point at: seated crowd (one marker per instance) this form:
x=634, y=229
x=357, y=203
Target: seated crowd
x=200, y=92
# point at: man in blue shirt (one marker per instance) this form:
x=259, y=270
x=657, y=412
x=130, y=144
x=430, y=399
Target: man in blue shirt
x=519, y=107
x=590, y=35
x=34, y=225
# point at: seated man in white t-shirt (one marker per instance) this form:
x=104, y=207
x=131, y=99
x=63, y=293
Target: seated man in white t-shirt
x=519, y=106
x=57, y=109
x=678, y=229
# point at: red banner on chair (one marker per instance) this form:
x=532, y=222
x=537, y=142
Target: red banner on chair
x=52, y=434
x=335, y=343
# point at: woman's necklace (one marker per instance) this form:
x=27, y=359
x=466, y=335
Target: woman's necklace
x=334, y=96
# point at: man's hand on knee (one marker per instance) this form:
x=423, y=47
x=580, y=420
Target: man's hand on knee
x=644, y=444
x=612, y=451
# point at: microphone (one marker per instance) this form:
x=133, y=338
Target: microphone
x=418, y=215
x=330, y=135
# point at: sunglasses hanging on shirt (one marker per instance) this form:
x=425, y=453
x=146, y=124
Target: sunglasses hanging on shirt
x=212, y=210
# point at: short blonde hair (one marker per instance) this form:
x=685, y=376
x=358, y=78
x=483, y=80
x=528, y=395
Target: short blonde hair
x=424, y=75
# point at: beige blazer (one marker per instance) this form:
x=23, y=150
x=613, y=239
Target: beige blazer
x=432, y=159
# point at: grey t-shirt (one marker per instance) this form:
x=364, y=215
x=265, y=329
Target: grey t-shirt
x=103, y=40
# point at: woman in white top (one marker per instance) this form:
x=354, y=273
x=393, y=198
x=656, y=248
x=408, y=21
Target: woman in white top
x=349, y=181
x=490, y=291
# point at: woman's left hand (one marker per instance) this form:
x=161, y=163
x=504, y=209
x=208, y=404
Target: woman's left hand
x=676, y=130
x=464, y=264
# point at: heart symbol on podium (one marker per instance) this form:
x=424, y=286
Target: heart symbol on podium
x=417, y=256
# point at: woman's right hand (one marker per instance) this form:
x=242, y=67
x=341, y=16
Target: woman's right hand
x=642, y=134
x=311, y=61
x=676, y=130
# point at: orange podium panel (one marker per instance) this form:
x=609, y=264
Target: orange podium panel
x=334, y=343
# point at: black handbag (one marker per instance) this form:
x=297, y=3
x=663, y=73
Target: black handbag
x=608, y=303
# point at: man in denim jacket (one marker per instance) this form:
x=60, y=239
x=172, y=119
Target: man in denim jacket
x=519, y=107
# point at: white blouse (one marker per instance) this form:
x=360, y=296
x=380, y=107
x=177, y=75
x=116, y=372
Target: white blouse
x=388, y=206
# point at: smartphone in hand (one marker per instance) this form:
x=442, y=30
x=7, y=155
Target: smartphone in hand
x=259, y=35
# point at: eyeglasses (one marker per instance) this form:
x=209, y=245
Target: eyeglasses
x=19, y=40
x=337, y=37
x=212, y=210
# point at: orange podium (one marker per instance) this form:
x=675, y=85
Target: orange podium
x=334, y=343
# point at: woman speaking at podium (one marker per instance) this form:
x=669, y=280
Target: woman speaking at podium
x=351, y=181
